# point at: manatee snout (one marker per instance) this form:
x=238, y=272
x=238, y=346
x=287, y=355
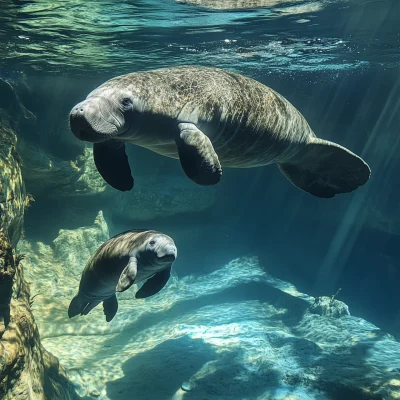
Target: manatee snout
x=79, y=124
x=96, y=120
x=172, y=250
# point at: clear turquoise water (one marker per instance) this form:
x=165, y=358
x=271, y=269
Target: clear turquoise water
x=99, y=36
x=336, y=61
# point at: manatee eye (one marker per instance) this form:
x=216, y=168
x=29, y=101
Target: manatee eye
x=152, y=243
x=126, y=102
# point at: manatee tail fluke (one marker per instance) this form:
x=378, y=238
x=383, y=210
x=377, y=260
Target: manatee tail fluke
x=325, y=169
x=77, y=305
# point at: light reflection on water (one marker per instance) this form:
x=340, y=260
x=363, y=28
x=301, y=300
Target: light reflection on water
x=93, y=37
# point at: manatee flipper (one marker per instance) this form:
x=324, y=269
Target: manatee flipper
x=197, y=155
x=110, y=307
x=112, y=163
x=128, y=275
x=77, y=305
x=325, y=169
x=154, y=284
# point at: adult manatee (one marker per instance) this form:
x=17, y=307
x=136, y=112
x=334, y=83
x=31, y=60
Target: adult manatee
x=208, y=118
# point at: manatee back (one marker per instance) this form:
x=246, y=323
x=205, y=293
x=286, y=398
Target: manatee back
x=103, y=270
x=226, y=106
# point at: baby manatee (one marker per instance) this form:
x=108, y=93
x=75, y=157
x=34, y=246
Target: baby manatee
x=129, y=257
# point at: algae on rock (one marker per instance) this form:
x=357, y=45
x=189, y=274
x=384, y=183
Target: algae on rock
x=27, y=370
x=55, y=272
x=75, y=247
x=329, y=306
x=237, y=324
x=77, y=186
x=12, y=188
x=49, y=176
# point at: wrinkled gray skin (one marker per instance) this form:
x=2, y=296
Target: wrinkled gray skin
x=127, y=258
x=209, y=118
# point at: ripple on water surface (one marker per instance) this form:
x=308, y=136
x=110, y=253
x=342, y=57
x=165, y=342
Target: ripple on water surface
x=75, y=37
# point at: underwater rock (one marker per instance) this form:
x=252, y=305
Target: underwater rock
x=45, y=175
x=237, y=332
x=27, y=370
x=94, y=393
x=329, y=306
x=55, y=271
x=13, y=106
x=77, y=187
x=13, y=197
x=7, y=273
x=75, y=247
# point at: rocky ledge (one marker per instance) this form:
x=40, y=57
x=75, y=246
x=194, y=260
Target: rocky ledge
x=27, y=370
x=12, y=189
x=235, y=333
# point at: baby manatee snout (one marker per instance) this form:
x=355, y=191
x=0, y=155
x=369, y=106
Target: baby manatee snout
x=170, y=253
x=166, y=252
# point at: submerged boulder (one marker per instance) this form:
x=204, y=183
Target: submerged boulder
x=12, y=189
x=50, y=177
x=11, y=104
x=329, y=306
x=55, y=271
x=74, y=247
x=78, y=187
x=27, y=370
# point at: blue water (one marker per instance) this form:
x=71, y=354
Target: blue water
x=337, y=62
x=93, y=37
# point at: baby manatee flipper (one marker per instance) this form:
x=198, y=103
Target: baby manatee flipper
x=110, y=307
x=197, y=155
x=128, y=275
x=112, y=163
x=325, y=169
x=81, y=305
x=154, y=284
x=90, y=307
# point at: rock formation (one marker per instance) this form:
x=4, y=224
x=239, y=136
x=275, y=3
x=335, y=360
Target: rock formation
x=27, y=370
x=234, y=333
x=77, y=187
x=12, y=189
